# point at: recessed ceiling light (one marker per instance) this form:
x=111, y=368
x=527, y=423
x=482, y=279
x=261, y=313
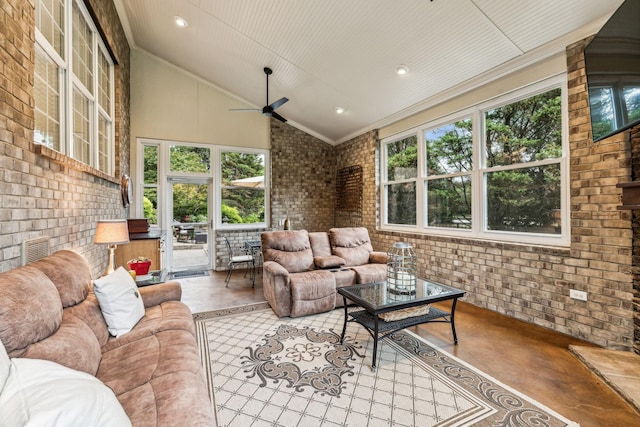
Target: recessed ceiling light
x=402, y=69
x=339, y=110
x=180, y=21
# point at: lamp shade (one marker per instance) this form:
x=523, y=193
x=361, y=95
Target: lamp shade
x=112, y=232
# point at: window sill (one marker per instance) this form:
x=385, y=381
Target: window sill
x=67, y=161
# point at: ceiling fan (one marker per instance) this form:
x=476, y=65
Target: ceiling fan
x=269, y=109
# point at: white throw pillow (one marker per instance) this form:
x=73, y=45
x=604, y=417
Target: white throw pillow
x=5, y=365
x=120, y=301
x=44, y=393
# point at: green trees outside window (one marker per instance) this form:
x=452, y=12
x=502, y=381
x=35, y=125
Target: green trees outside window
x=510, y=163
x=241, y=184
x=242, y=189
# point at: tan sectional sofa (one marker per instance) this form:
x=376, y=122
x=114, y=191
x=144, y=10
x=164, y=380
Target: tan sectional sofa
x=302, y=270
x=48, y=310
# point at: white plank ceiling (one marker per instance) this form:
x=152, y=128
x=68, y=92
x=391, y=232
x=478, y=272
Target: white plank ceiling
x=330, y=53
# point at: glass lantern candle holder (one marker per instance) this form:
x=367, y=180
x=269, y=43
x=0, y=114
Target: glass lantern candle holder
x=401, y=269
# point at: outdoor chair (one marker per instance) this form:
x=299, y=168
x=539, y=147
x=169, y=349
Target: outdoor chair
x=234, y=260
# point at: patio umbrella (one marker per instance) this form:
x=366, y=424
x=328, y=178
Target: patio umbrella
x=253, y=182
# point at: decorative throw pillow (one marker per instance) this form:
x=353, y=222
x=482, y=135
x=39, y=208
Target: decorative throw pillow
x=331, y=261
x=5, y=365
x=120, y=301
x=41, y=393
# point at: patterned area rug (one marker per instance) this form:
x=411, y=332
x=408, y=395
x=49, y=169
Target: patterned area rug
x=266, y=371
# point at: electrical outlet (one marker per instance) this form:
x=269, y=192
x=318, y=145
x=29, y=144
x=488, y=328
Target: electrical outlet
x=580, y=295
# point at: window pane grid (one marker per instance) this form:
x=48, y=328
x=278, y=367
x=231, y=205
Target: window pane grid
x=82, y=50
x=47, y=101
x=81, y=127
x=89, y=111
x=50, y=23
x=104, y=82
x=104, y=127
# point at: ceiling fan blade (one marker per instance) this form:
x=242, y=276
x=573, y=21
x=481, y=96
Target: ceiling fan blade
x=278, y=116
x=244, y=109
x=278, y=103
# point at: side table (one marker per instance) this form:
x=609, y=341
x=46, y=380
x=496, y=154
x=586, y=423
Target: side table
x=157, y=276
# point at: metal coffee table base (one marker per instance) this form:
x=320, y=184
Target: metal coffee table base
x=379, y=329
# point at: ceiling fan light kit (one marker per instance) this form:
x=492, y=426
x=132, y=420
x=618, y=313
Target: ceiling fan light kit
x=269, y=109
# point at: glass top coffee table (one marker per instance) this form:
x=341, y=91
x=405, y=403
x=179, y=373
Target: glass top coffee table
x=376, y=302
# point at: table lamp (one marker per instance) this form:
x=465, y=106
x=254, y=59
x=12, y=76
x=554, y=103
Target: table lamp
x=112, y=232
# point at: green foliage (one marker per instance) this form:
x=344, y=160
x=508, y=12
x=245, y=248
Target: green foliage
x=150, y=212
x=184, y=158
x=518, y=199
x=402, y=159
x=248, y=202
x=525, y=131
x=239, y=204
x=190, y=201
x=230, y=215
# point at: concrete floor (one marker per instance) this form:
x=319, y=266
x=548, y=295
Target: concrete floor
x=535, y=361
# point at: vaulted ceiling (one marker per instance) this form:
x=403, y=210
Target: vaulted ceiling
x=344, y=53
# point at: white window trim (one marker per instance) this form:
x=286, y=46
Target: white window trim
x=478, y=231
x=215, y=174
x=69, y=82
x=218, y=183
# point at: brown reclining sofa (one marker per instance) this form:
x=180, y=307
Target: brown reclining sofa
x=302, y=270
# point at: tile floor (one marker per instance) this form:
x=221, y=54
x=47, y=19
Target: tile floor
x=531, y=359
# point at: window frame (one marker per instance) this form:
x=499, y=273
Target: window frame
x=479, y=215
x=218, y=187
x=70, y=85
x=215, y=174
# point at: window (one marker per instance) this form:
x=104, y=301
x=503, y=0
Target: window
x=449, y=160
x=78, y=121
x=402, y=171
x=496, y=171
x=242, y=187
x=238, y=175
x=150, y=183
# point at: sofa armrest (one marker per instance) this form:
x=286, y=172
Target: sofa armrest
x=274, y=269
x=378, y=257
x=276, y=285
x=162, y=292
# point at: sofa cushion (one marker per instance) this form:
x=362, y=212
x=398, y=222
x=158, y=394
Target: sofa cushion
x=331, y=261
x=170, y=315
x=351, y=244
x=73, y=345
x=44, y=393
x=291, y=249
x=120, y=301
x=69, y=272
x=312, y=292
x=89, y=312
x=31, y=308
x=370, y=273
x=320, y=244
x=343, y=277
x=158, y=379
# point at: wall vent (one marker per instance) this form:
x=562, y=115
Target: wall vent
x=34, y=249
